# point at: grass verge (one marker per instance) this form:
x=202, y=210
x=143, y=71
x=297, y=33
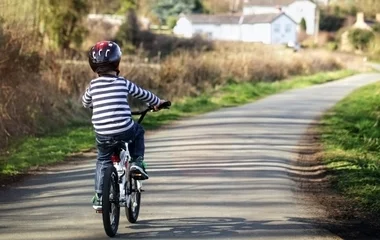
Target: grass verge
x=350, y=136
x=32, y=151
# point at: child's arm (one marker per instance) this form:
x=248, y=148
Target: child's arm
x=87, y=98
x=142, y=94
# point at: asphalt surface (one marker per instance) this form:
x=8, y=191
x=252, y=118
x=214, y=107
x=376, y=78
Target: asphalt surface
x=229, y=174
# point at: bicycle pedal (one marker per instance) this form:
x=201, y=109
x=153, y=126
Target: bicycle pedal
x=99, y=211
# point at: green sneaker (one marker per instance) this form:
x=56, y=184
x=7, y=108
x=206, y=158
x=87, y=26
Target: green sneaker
x=138, y=169
x=144, y=165
x=97, y=202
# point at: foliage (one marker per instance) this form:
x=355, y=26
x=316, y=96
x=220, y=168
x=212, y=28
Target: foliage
x=360, y=38
x=332, y=46
x=126, y=5
x=352, y=10
x=25, y=95
x=351, y=7
x=330, y=22
x=376, y=27
x=128, y=35
x=166, y=8
x=171, y=21
x=62, y=21
x=112, y=6
x=374, y=48
x=220, y=6
x=341, y=10
x=104, y=6
x=147, y=7
x=370, y=7
x=350, y=136
x=303, y=25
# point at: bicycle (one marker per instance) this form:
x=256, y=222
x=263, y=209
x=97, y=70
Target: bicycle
x=120, y=186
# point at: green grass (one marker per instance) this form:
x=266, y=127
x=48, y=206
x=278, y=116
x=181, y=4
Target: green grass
x=350, y=135
x=33, y=151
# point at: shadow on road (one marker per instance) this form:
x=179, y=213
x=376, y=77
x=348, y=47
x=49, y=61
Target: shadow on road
x=211, y=228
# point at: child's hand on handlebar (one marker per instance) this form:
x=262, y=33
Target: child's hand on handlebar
x=159, y=106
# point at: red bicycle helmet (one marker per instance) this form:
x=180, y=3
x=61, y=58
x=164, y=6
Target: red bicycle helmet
x=104, y=57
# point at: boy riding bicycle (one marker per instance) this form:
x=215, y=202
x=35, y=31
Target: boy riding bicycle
x=111, y=116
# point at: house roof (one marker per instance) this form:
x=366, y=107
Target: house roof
x=213, y=19
x=233, y=19
x=261, y=18
x=268, y=2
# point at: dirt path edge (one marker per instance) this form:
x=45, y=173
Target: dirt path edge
x=332, y=211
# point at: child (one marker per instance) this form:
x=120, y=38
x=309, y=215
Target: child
x=111, y=117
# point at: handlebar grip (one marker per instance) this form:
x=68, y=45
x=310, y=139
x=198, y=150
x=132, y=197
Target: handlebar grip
x=166, y=104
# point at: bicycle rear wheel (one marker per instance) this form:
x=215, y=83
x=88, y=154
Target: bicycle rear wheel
x=132, y=209
x=110, y=203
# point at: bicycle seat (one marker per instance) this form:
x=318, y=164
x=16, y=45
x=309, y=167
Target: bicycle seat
x=119, y=145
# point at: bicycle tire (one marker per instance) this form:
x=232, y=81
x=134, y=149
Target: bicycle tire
x=132, y=212
x=110, y=203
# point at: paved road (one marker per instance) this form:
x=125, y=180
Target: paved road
x=375, y=66
x=223, y=175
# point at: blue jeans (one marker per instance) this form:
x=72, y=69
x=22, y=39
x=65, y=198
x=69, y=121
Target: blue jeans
x=106, y=147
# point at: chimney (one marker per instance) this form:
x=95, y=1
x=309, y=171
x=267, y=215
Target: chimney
x=360, y=17
x=378, y=17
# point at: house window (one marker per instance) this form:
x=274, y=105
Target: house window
x=277, y=28
x=288, y=28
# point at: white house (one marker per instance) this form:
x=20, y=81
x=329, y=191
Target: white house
x=296, y=9
x=269, y=28
x=323, y=2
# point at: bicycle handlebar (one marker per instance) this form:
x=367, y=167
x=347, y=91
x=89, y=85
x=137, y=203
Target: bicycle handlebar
x=165, y=105
x=142, y=114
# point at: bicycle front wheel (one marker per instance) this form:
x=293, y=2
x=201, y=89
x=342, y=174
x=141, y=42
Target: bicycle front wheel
x=132, y=209
x=110, y=203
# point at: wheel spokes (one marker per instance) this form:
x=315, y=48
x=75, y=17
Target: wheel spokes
x=113, y=204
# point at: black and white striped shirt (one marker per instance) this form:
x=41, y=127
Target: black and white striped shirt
x=108, y=96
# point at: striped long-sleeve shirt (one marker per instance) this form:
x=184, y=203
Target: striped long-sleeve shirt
x=108, y=96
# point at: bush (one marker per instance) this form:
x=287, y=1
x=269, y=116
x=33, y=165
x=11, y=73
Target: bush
x=332, y=46
x=303, y=25
x=360, y=38
x=24, y=97
x=171, y=21
x=376, y=27
x=330, y=22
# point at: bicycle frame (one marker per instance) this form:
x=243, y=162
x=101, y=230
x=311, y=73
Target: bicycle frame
x=121, y=163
